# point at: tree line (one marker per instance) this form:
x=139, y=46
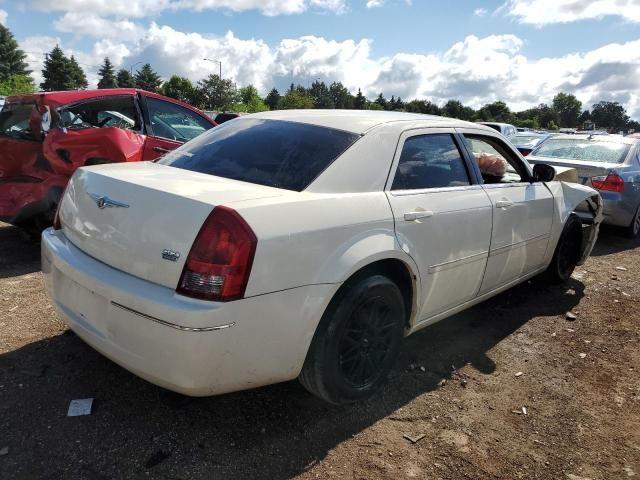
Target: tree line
x=214, y=93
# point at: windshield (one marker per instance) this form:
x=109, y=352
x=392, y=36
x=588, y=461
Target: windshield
x=275, y=153
x=14, y=121
x=595, y=150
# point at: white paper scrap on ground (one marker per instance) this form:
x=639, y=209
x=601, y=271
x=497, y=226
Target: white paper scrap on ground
x=80, y=407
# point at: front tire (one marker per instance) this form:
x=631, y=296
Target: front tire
x=357, y=341
x=568, y=252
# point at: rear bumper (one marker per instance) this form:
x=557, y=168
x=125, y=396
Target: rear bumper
x=618, y=208
x=20, y=201
x=189, y=346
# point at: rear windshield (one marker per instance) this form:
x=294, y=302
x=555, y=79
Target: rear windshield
x=275, y=153
x=14, y=121
x=587, y=150
x=524, y=139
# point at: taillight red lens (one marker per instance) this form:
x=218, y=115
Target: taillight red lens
x=219, y=263
x=611, y=183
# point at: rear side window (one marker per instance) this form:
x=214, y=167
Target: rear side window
x=14, y=121
x=584, y=149
x=430, y=161
x=103, y=112
x=275, y=153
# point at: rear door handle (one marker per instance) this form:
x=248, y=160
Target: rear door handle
x=503, y=203
x=161, y=150
x=415, y=215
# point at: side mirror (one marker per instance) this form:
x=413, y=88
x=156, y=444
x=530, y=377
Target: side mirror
x=543, y=172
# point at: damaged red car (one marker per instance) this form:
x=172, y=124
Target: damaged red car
x=45, y=137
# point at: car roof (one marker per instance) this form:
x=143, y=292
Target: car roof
x=360, y=121
x=599, y=138
x=67, y=97
x=496, y=123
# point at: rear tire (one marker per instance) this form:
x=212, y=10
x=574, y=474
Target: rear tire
x=357, y=341
x=567, y=254
x=633, y=230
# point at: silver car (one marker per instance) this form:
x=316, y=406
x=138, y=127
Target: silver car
x=608, y=163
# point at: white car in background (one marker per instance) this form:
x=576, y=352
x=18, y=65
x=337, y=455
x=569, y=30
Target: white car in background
x=303, y=244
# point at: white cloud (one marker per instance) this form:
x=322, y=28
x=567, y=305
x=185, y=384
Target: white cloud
x=150, y=8
x=94, y=26
x=480, y=12
x=375, y=3
x=3, y=17
x=545, y=12
x=474, y=70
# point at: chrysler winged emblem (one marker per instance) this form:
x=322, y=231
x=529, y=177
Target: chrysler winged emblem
x=102, y=201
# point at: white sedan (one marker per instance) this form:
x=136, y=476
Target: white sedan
x=303, y=244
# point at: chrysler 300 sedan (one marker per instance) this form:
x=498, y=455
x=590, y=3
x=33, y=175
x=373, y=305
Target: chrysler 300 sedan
x=303, y=244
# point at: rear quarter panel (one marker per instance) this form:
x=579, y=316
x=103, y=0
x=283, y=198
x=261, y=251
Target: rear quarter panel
x=318, y=238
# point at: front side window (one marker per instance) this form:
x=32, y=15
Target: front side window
x=275, y=153
x=116, y=111
x=430, y=161
x=174, y=122
x=496, y=163
x=584, y=149
x=14, y=121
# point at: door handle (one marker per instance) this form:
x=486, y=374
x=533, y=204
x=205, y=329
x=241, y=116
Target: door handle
x=415, y=215
x=503, y=203
x=161, y=150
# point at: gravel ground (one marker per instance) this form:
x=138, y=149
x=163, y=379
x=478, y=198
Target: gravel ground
x=509, y=389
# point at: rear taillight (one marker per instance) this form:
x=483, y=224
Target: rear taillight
x=219, y=263
x=610, y=183
x=525, y=151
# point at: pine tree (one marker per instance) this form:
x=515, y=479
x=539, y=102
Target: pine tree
x=148, y=79
x=360, y=101
x=124, y=79
x=56, y=72
x=78, y=77
x=381, y=101
x=272, y=99
x=107, y=75
x=11, y=57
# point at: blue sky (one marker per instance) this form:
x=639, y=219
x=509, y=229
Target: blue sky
x=521, y=51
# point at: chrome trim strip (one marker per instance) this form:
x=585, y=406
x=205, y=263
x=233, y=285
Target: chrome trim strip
x=455, y=263
x=520, y=244
x=173, y=325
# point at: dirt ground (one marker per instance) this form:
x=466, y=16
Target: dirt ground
x=507, y=390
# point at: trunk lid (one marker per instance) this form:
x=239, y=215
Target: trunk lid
x=586, y=170
x=142, y=218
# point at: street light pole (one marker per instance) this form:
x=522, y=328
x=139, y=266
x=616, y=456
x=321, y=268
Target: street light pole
x=132, y=67
x=219, y=62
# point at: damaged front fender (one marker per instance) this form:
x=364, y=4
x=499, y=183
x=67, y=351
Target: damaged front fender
x=586, y=203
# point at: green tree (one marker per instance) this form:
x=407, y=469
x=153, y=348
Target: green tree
x=273, y=99
x=568, y=108
x=547, y=116
x=295, y=99
x=340, y=96
x=124, y=79
x=251, y=100
x=373, y=106
x=12, y=59
x=217, y=93
x=16, y=85
x=320, y=93
x=381, y=101
x=107, y=75
x=147, y=79
x=57, y=72
x=422, y=106
x=360, y=101
x=496, y=112
x=455, y=109
x=179, y=88
x=610, y=115
x=78, y=77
